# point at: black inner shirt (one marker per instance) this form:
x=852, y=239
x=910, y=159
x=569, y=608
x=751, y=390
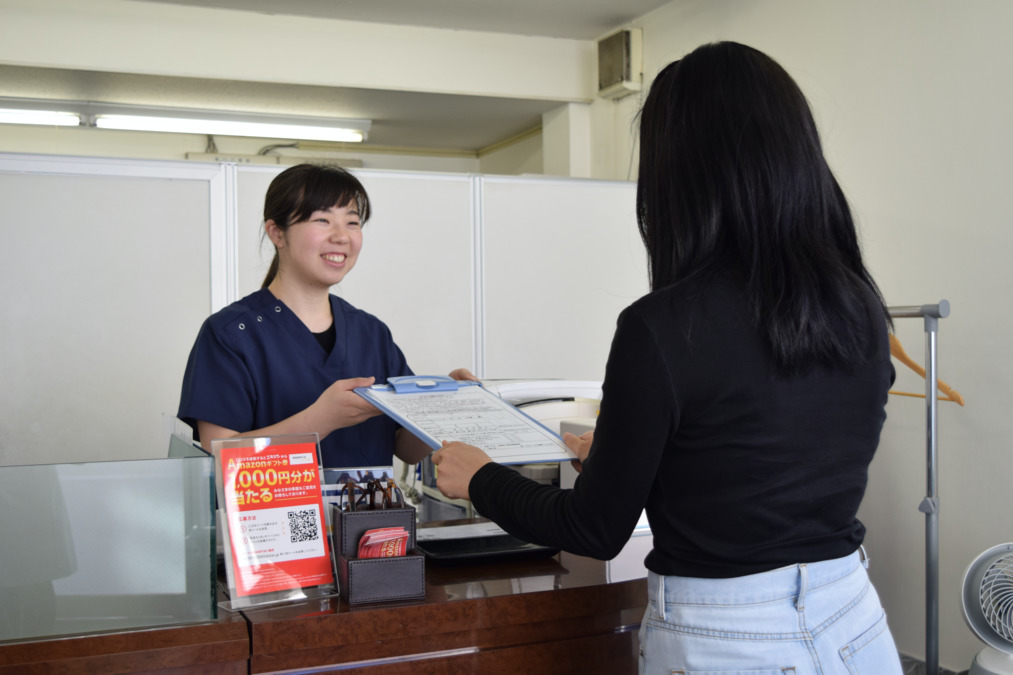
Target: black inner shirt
x=327, y=338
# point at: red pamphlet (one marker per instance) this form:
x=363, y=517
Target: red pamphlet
x=383, y=542
x=274, y=507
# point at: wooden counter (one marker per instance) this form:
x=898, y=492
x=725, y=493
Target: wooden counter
x=201, y=649
x=553, y=615
x=549, y=615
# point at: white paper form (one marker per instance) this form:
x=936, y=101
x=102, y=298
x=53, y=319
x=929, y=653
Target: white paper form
x=466, y=531
x=472, y=415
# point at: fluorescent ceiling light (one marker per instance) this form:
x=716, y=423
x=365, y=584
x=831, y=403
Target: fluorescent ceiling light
x=182, y=120
x=43, y=117
x=184, y=125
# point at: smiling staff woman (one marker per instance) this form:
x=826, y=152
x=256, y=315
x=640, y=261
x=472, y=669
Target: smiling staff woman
x=286, y=358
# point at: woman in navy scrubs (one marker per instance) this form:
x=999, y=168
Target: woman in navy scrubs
x=286, y=358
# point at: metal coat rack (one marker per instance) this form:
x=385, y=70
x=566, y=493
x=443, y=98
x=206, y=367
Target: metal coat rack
x=930, y=505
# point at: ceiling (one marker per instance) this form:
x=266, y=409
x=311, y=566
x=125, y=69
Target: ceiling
x=573, y=19
x=400, y=119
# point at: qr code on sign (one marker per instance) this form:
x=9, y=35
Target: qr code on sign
x=303, y=525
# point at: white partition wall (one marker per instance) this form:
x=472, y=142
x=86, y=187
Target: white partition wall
x=415, y=270
x=111, y=266
x=106, y=269
x=562, y=258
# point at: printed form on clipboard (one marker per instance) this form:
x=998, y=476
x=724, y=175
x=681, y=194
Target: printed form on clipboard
x=438, y=408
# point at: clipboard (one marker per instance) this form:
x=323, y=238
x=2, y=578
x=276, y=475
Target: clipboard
x=438, y=408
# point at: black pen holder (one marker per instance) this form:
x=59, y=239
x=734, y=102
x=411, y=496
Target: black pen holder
x=376, y=579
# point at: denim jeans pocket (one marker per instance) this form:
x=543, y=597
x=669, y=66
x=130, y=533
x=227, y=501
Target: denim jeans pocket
x=873, y=652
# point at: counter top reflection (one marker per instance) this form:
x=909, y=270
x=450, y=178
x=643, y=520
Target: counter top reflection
x=221, y=647
x=555, y=614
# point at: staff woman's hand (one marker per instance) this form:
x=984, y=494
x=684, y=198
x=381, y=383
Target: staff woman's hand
x=338, y=407
x=580, y=445
x=342, y=407
x=456, y=463
x=462, y=374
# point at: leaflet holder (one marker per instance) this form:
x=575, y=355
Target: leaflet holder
x=376, y=579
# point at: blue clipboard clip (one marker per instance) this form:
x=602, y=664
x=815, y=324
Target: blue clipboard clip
x=421, y=384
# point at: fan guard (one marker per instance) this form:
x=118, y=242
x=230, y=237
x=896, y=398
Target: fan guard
x=997, y=597
x=988, y=605
x=988, y=597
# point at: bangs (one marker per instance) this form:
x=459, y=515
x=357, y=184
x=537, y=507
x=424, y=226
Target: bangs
x=326, y=189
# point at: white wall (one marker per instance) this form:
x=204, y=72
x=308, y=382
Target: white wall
x=107, y=268
x=566, y=140
x=523, y=156
x=914, y=102
x=163, y=39
x=562, y=258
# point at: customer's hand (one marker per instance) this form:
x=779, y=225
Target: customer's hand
x=580, y=446
x=456, y=463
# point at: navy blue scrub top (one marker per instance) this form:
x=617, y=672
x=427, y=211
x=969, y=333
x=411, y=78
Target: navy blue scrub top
x=255, y=363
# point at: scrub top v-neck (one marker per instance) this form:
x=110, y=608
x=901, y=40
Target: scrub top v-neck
x=255, y=363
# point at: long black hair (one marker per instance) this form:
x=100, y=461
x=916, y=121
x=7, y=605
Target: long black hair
x=298, y=191
x=733, y=178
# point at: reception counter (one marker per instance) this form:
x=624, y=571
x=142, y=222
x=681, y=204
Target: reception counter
x=550, y=615
x=204, y=649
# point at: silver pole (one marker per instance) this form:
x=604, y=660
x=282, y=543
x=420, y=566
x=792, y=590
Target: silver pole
x=930, y=505
x=940, y=311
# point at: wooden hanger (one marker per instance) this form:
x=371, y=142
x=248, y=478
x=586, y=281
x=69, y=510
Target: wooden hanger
x=897, y=351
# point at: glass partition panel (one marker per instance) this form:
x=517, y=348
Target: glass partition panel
x=106, y=546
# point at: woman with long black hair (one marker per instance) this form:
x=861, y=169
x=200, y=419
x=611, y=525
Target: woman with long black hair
x=743, y=397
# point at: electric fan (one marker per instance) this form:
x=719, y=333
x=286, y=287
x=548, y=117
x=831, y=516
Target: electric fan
x=988, y=609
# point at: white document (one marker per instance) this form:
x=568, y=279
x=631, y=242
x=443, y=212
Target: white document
x=468, y=413
x=466, y=531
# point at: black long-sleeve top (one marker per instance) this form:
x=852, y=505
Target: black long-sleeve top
x=740, y=471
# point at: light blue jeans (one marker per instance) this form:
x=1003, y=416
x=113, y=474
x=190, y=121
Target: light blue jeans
x=820, y=618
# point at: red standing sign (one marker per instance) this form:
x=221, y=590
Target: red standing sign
x=277, y=533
